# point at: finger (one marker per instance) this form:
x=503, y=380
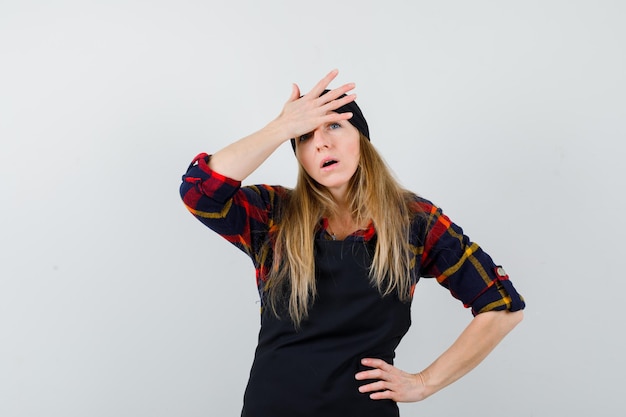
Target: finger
x=295, y=93
x=332, y=117
x=335, y=104
x=337, y=92
x=383, y=395
x=374, y=386
x=377, y=363
x=317, y=90
x=371, y=374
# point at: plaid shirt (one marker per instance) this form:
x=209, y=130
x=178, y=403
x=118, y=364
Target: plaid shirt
x=246, y=216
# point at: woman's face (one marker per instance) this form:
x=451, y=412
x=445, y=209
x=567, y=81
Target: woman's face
x=330, y=155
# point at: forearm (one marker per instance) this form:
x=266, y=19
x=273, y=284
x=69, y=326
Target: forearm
x=478, y=339
x=241, y=158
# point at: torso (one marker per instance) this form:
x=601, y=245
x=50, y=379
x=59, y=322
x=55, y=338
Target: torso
x=310, y=372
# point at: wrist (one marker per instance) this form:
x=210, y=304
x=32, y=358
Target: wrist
x=427, y=388
x=278, y=130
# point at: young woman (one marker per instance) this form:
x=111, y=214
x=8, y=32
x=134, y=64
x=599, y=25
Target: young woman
x=337, y=259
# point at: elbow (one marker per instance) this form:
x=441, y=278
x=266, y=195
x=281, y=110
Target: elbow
x=182, y=190
x=502, y=320
x=512, y=319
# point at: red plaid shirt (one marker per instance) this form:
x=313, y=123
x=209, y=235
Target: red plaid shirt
x=245, y=216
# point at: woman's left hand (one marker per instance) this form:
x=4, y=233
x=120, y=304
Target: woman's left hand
x=392, y=383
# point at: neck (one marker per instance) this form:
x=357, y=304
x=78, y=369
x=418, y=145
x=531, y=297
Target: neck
x=342, y=224
x=342, y=214
x=340, y=196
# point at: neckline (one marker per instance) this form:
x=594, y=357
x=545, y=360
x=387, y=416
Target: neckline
x=366, y=233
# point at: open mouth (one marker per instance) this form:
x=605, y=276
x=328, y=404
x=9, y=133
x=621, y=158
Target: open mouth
x=328, y=163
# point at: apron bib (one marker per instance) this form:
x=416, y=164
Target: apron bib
x=310, y=371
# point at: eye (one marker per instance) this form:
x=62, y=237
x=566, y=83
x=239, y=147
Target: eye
x=333, y=126
x=304, y=137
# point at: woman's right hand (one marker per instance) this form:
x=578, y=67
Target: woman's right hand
x=299, y=116
x=303, y=114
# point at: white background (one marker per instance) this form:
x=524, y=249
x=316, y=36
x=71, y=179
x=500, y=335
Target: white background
x=114, y=301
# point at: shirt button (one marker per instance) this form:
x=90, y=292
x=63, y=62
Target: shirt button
x=500, y=271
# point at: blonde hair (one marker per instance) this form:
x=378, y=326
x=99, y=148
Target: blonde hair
x=373, y=194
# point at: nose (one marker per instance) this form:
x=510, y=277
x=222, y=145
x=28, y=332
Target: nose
x=320, y=139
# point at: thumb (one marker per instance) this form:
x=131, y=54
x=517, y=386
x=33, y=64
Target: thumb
x=295, y=92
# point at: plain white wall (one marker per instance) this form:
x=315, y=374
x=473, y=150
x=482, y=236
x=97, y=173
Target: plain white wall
x=115, y=301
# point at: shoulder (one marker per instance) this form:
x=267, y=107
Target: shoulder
x=420, y=206
x=265, y=197
x=268, y=192
x=428, y=220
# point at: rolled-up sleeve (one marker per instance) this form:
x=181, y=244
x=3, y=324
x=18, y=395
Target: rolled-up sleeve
x=462, y=266
x=242, y=215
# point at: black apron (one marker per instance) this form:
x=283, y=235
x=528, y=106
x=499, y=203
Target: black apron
x=310, y=372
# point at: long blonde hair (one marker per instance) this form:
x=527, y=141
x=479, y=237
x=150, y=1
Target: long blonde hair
x=373, y=194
